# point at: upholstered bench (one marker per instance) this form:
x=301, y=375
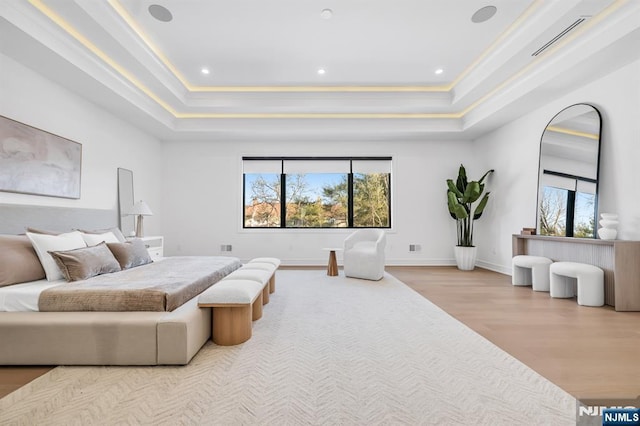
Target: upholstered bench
x=260, y=275
x=589, y=280
x=272, y=260
x=531, y=270
x=267, y=264
x=235, y=304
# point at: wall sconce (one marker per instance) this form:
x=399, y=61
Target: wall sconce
x=140, y=209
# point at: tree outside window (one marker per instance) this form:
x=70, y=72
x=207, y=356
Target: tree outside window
x=317, y=200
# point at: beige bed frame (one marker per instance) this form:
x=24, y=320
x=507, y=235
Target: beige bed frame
x=94, y=338
x=104, y=338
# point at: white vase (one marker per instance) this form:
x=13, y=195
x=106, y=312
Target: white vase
x=607, y=233
x=609, y=223
x=465, y=257
x=612, y=216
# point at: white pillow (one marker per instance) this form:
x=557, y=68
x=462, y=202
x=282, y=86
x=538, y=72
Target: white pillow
x=43, y=244
x=94, y=239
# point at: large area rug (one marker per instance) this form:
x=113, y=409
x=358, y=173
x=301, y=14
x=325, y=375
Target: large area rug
x=328, y=350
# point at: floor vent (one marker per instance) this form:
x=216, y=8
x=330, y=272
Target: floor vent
x=559, y=36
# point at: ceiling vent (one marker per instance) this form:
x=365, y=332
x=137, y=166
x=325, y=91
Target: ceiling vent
x=559, y=36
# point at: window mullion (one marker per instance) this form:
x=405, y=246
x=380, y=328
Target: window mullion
x=350, y=200
x=283, y=200
x=571, y=207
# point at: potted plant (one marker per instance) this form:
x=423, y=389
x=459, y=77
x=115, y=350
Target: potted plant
x=461, y=197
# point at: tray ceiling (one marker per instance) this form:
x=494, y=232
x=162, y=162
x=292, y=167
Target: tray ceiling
x=291, y=67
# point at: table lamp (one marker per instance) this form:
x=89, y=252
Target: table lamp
x=141, y=209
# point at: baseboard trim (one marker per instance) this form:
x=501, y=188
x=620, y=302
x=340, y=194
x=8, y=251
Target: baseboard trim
x=398, y=262
x=494, y=267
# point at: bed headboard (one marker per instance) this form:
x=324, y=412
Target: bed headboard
x=14, y=218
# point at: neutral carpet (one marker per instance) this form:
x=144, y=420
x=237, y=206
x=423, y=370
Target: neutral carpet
x=328, y=350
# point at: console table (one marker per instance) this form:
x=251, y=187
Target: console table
x=620, y=261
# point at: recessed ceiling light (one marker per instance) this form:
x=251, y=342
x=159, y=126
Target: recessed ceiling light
x=161, y=13
x=205, y=71
x=484, y=14
x=326, y=13
x=321, y=71
x=439, y=71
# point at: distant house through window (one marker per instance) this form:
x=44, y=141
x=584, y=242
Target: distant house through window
x=327, y=192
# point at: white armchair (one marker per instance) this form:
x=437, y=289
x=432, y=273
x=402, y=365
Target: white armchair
x=364, y=254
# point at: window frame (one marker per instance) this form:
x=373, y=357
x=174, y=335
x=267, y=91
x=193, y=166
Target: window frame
x=571, y=201
x=350, y=191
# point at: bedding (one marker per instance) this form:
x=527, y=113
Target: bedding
x=115, y=231
x=94, y=239
x=117, y=234
x=157, y=286
x=44, y=243
x=24, y=297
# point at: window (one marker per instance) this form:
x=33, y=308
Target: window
x=567, y=206
x=303, y=192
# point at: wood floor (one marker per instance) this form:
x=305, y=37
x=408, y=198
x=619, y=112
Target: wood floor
x=11, y=378
x=588, y=352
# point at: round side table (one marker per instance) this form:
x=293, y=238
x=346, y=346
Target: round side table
x=332, y=266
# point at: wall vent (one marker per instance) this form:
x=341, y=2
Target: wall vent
x=415, y=247
x=225, y=247
x=559, y=36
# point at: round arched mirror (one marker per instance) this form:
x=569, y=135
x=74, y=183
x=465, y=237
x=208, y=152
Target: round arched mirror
x=568, y=173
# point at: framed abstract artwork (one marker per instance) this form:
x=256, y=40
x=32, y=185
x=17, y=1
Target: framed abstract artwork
x=33, y=161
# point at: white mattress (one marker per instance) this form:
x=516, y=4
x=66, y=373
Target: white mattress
x=24, y=297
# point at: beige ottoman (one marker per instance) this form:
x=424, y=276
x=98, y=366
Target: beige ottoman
x=260, y=275
x=265, y=266
x=235, y=304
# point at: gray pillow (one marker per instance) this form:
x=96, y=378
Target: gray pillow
x=86, y=262
x=130, y=254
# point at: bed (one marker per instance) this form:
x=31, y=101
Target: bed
x=145, y=314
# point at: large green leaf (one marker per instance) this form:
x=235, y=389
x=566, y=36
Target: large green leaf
x=485, y=175
x=455, y=207
x=481, y=205
x=472, y=192
x=453, y=188
x=461, y=183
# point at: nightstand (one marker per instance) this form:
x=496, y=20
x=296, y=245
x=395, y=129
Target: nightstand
x=155, y=246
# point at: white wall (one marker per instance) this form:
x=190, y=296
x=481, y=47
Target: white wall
x=203, y=200
x=107, y=142
x=190, y=185
x=513, y=150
